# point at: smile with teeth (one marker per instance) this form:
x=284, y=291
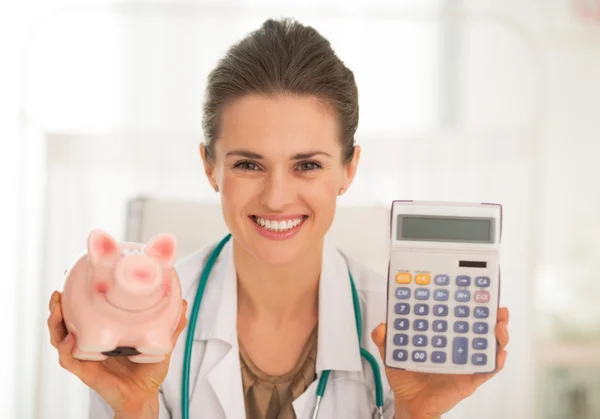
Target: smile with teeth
x=278, y=225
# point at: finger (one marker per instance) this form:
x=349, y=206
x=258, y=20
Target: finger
x=182, y=322
x=378, y=336
x=65, y=355
x=56, y=325
x=502, y=335
x=54, y=298
x=503, y=315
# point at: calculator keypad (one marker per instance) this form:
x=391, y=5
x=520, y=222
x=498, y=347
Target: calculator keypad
x=442, y=319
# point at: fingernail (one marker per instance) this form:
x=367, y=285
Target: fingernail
x=52, y=307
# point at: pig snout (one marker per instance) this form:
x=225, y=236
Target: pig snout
x=142, y=276
x=138, y=284
x=138, y=279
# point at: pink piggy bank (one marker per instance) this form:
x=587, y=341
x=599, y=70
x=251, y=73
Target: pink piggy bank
x=123, y=299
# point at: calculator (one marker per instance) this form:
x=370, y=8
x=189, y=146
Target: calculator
x=443, y=287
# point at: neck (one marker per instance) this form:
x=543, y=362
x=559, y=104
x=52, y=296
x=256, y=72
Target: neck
x=280, y=292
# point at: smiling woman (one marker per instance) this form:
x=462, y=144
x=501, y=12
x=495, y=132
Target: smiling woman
x=282, y=310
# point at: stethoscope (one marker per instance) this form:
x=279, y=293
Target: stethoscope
x=324, y=375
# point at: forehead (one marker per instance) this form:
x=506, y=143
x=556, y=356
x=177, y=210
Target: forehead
x=279, y=125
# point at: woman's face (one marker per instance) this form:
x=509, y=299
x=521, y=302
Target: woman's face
x=278, y=168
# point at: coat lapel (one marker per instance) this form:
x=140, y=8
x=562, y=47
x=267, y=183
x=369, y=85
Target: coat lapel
x=217, y=330
x=225, y=380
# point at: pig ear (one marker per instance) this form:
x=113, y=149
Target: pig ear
x=100, y=244
x=162, y=248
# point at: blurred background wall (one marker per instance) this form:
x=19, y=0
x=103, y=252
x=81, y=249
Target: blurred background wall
x=460, y=100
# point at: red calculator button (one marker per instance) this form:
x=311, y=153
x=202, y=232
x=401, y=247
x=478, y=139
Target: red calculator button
x=482, y=297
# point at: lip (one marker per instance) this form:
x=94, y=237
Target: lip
x=278, y=235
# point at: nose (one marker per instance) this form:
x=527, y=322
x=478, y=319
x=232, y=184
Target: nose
x=138, y=273
x=279, y=191
x=142, y=274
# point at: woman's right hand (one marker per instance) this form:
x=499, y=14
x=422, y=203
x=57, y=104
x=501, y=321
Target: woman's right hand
x=127, y=387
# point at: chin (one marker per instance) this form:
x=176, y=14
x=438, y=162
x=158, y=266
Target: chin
x=276, y=256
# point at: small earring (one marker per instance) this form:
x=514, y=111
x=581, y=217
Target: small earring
x=341, y=191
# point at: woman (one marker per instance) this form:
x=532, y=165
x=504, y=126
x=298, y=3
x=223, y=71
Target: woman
x=279, y=122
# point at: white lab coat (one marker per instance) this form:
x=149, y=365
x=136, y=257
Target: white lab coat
x=215, y=382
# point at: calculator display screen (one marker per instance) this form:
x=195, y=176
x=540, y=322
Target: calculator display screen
x=447, y=229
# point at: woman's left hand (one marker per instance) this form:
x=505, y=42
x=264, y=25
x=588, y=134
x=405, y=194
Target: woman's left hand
x=428, y=396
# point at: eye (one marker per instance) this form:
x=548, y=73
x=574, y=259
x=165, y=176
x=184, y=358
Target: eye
x=245, y=165
x=309, y=166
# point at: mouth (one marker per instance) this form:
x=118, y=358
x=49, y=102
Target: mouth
x=278, y=225
x=130, y=310
x=278, y=228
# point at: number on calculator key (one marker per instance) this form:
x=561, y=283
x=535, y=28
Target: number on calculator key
x=402, y=308
x=440, y=310
x=439, y=341
x=400, y=355
x=419, y=356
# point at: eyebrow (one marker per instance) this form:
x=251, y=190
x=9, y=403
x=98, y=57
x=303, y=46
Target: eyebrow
x=298, y=156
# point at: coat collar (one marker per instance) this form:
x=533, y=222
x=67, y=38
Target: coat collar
x=338, y=346
x=337, y=340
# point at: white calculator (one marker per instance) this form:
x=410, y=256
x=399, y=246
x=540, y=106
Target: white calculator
x=443, y=287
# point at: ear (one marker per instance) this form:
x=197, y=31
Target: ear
x=350, y=170
x=209, y=168
x=100, y=244
x=162, y=248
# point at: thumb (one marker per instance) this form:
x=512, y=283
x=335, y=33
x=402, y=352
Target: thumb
x=378, y=336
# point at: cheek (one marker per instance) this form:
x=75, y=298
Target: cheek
x=236, y=193
x=321, y=197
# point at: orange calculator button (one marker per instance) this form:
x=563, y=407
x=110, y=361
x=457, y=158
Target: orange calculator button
x=403, y=277
x=423, y=279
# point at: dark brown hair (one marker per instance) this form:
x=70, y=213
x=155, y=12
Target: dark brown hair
x=282, y=57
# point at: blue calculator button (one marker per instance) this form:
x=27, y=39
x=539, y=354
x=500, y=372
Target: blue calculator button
x=438, y=357
x=401, y=324
x=400, y=339
x=461, y=327
x=481, y=312
x=479, y=359
x=422, y=294
x=440, y=325
x=419, y=356
x=402, y=308
x=420, y=340
x=441, y=295
x=482, y=281
x=461, y=311
x=480, y=328
x=439, y=341
x=463, y=280
x=442, y=280
x=421, y=309
x=403, y=293
x=463, y=296
x=480, y=344
x=400, y=355
x=460, y=351
x=440, y=310
x=421, y=325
